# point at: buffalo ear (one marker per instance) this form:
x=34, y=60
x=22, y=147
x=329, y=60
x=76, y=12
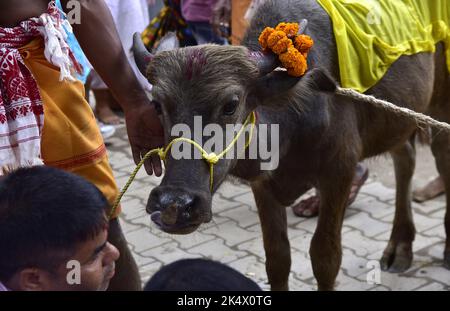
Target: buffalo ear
x=168, y=43
x=279, y=83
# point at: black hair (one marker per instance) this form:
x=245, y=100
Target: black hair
x=199, y=275
x=44, y=214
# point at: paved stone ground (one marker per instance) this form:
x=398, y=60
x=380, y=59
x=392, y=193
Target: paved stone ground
x=234, y=236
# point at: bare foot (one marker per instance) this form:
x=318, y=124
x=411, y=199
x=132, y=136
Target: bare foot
x=307, y=208
x=310, y=207
x=433, y=189
x=103, y=111
x=361, y=175
x=107, y=116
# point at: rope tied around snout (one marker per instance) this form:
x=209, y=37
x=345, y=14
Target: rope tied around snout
x=210, y=158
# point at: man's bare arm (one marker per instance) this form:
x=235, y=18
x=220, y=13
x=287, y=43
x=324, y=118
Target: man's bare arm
x=100, y=41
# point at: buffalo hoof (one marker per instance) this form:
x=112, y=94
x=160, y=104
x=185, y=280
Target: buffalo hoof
x=279, y=287
x=397, y=257
x=325, y=288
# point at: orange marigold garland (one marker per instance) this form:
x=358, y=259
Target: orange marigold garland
x=291, y=48
x=303, y=44
x=265, y=36
x=294, y=62
x=290, y=29
x=279, y=43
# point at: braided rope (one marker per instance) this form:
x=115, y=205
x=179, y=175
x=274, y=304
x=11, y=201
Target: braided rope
x=420, y=118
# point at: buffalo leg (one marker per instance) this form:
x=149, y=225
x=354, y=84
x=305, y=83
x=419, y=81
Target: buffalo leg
x=276, y=244
x=326, y=250
x=398, y=255
x=441, y=151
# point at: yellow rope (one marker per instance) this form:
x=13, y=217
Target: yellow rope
x=210, y=158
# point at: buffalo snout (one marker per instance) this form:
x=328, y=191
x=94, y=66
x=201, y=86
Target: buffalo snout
x=177, y=210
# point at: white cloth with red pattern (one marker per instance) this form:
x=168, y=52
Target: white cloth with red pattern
x=21, y=110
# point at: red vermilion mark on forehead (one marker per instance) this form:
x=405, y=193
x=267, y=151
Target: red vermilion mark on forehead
x=196, y=63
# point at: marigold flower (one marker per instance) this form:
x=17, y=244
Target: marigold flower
x=274, y=37
x=282, y=46
x=290, y=29
x=299, y=70
x=264, y=36
x=303, y=43
x=294, y=62
x=289, y=58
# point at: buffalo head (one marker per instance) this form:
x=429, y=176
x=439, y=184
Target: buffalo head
x=222, y=85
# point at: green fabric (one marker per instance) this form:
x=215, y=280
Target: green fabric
x=372, y=34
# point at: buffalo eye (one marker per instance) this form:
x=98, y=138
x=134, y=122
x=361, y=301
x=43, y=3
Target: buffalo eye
x=230, y=107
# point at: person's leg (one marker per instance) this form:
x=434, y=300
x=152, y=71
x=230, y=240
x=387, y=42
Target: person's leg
x=104, y=100
x=310, y=207
x=103, y=110
x=361, y=175
x=434, y=188
x=106, y=130
x=87, y=88
x=204, y=33
x=307, y=208
x=127, y=273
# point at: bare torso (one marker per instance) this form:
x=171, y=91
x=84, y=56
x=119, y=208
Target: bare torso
x=12, y=12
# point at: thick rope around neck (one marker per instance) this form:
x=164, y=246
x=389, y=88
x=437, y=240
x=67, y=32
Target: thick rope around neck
x=210, y=158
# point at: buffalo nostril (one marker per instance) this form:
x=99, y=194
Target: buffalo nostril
x=186, y=215
x=154, y=201
x=188, y=204
x=169, y=215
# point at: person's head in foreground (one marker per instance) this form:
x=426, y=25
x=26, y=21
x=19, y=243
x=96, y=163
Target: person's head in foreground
x=199, y=275
x=53, y=232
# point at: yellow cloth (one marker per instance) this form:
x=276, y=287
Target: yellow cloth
x=71, y=139
x=371, y=35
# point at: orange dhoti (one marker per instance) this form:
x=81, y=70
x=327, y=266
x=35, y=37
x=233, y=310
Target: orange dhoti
x=71, y=139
